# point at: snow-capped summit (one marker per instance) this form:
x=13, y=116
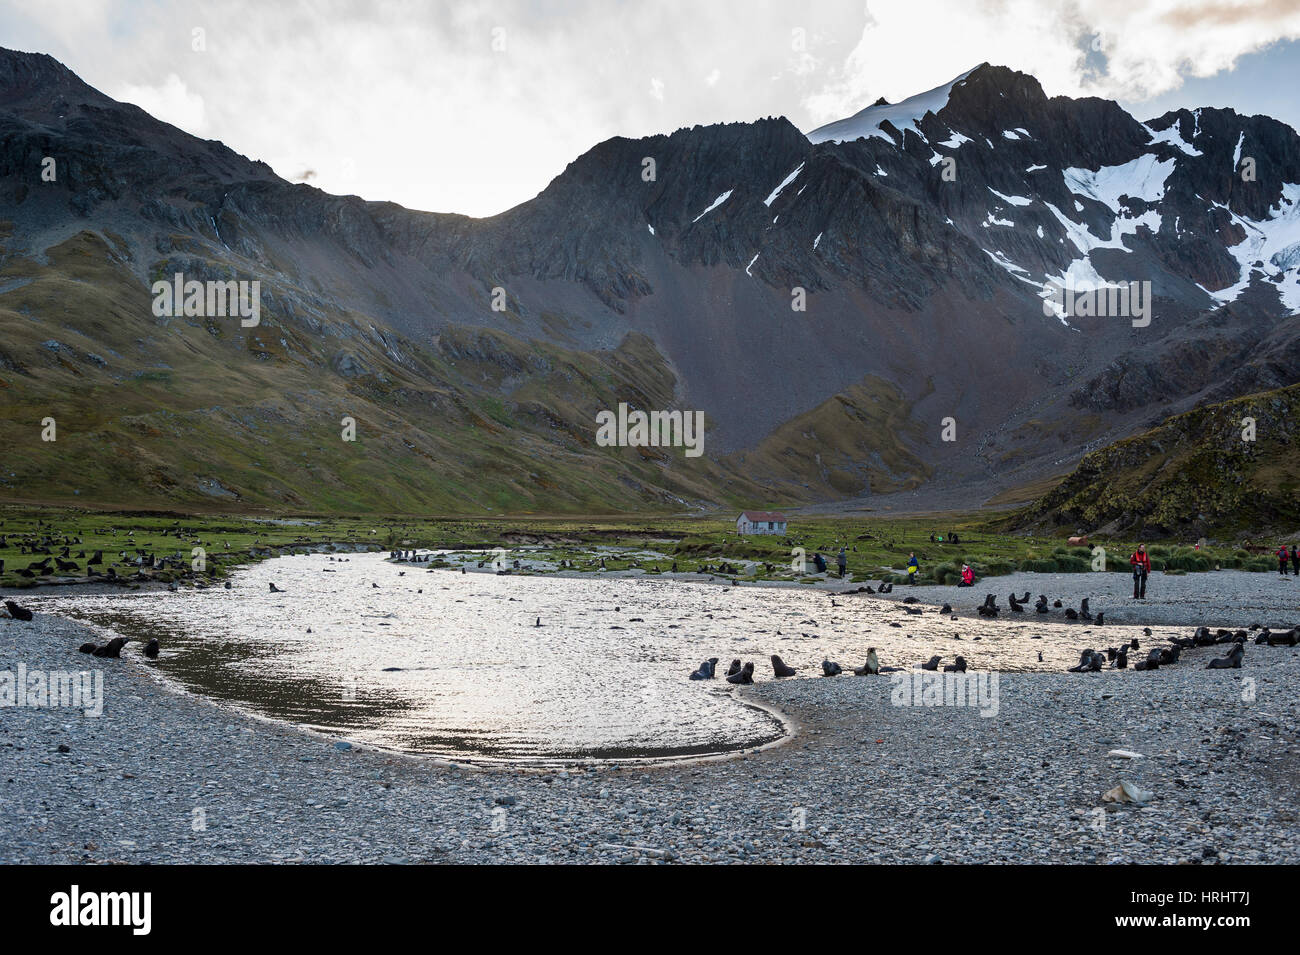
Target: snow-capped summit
x=902, y=115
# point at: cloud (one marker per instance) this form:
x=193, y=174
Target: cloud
x=1147, y=48
x=169, y=101
x=475, y=105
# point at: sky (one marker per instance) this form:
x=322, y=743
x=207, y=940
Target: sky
x=473, y=106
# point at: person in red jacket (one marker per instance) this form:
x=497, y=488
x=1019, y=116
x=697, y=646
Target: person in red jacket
x=1141, y=570
x=1283, y=555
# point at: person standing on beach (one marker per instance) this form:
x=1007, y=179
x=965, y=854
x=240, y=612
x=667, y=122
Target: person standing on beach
x=1295, y=560
x=1282, y=557
x=913, y=567
x=1141, y=570
x=843, y=561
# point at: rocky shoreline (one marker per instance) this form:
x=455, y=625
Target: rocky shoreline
x=165, y=777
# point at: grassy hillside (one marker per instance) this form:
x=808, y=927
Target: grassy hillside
x=1193, y=475
x=202, y=413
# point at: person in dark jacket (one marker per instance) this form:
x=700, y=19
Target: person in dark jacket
x=819, y=562
x=843, y=561
x=1141, y=570
x=1295, y=560
x=913, y=567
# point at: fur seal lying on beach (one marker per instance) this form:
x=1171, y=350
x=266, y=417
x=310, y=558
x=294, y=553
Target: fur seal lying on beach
x=959, y=666
x=706, y=670
x=830, y=668
x=744, y=677
x=946, y=608
x=1231, y=662
x=1071, y=613
x=933, y=663
x=275, y=589
x=17, y=612
x=86, y=648
x=151, y=649
x=779, y=667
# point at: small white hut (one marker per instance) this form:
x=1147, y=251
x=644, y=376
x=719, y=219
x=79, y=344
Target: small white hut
x=761, y=522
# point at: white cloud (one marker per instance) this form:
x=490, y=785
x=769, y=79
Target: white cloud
x=409, y=101
x=169, y=101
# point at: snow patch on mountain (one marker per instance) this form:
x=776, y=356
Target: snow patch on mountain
x=716, y=202
x=1141, y=178
x=784, y=182
x=902, y=116
x=1014, y=200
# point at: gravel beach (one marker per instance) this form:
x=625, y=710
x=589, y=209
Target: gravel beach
x=163, y=777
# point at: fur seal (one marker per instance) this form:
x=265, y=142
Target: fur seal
x=734, y=668
x=111, y=649
x=1090, y=661
x=779, y=667
x=17, y=612
x=744, y=677
x=871, y=667
x=830, y=668
x=933, y=663
x=959, y=666
x=275, y=589
x=1071, y=613
x=87, y=648
x=151, y=649
x=946, y=608
x=705, y=672
x=989, y=608
x=1041, y=606
x=1231, y=662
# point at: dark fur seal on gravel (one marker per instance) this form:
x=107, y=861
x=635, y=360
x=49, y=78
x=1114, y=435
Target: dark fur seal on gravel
x=779, y=667
x=734, y=668
x=959, y=666
x=933, y=663
x=1090, y=661
x=744, y=677
x=17, y=612
x=830, y=668
x=1041, y=606
x=871, y=667
x=1231, y=662
x=706, y=670
x=86, y=648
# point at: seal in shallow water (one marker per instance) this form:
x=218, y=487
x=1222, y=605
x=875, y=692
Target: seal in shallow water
x=744, y=677
x=705, y=672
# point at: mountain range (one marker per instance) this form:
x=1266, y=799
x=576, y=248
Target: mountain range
x=861, y=312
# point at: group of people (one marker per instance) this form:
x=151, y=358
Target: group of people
x=1283, y=556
